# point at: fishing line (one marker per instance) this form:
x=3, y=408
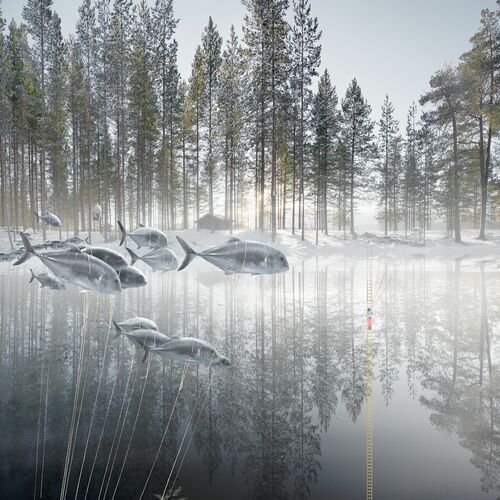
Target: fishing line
x=95, y=400
x=83, y=391
x=192, y=435
x=133, y=427
x=188, y=423
x=186, y=431
x=103, y=428
x=75, y=402
x=164, y=432
x=118, y=422
x=38, y=428
x=44, y=429
x=129, y=399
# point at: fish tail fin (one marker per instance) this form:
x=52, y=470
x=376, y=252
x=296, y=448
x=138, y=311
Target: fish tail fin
x=33, y=276
x=118, y=330
x=29, y=250
x=190, y=254
x=133, y=255
x=124, y=233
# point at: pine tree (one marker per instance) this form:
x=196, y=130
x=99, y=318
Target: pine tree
x=121, y=22
x=142, y=111
x=4, y=74
x=211, y=43
x=231, y=118
x=388, y=128
x=357, y=134
x=445, y=94
x=86, y=42
x=57, y=116
x=306, y=53
x=196, y=104
x=38, y=14
x=166, y=81
x=103, y=84
x=325, y=121
x=479, y=71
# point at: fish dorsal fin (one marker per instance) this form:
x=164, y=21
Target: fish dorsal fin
x=74, y=248
x=233, y=239
x=140, y=225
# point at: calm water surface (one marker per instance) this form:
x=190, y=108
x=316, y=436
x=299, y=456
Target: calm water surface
x=80, y=412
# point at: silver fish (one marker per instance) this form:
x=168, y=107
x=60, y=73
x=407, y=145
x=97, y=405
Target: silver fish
x=136, y=323
x=97, y=213
x=159, y=259
x=145, y=339
x=131, y=277
x=76, y=267
x=144, y=236
x=239, y=256
x=76, y=240
x=191, y=350
x=47, y=280
x=49, y=219
x=114, y=259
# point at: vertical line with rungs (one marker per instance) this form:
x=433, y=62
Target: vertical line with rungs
x=369, y=381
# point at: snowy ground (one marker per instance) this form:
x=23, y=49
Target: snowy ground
x=436, y=245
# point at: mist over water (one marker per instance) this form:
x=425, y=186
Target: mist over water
x=287, y=419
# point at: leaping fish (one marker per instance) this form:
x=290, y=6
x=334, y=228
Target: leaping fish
x=76, y=267
x=49, y=219
x=159, y=259
x=47, y=281
x=144, y=236
x=145, y=339
x=136, y=323
x=239, y=256
x=191, y=350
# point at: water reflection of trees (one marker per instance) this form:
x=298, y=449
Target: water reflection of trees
x=296, y=342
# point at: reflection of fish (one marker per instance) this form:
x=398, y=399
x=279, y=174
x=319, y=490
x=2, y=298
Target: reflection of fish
x=131, y=277
x=47, y=280
x=237, y=256
x=76, y=267
x=136, y=323
x=159, y=259
x=114, y=259
x=49, y=219
x=145, y=339
x=144, y=236
x=191, y=350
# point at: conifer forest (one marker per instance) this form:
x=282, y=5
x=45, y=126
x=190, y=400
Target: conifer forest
x=249, y=249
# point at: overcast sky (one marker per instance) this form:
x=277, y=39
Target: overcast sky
x=391, y=46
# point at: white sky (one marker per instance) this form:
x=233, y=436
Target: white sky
x=390, y=46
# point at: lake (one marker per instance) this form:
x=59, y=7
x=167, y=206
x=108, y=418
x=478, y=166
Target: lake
x=81, y=416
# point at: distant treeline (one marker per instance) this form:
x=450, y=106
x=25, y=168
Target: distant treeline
x=105, y=118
